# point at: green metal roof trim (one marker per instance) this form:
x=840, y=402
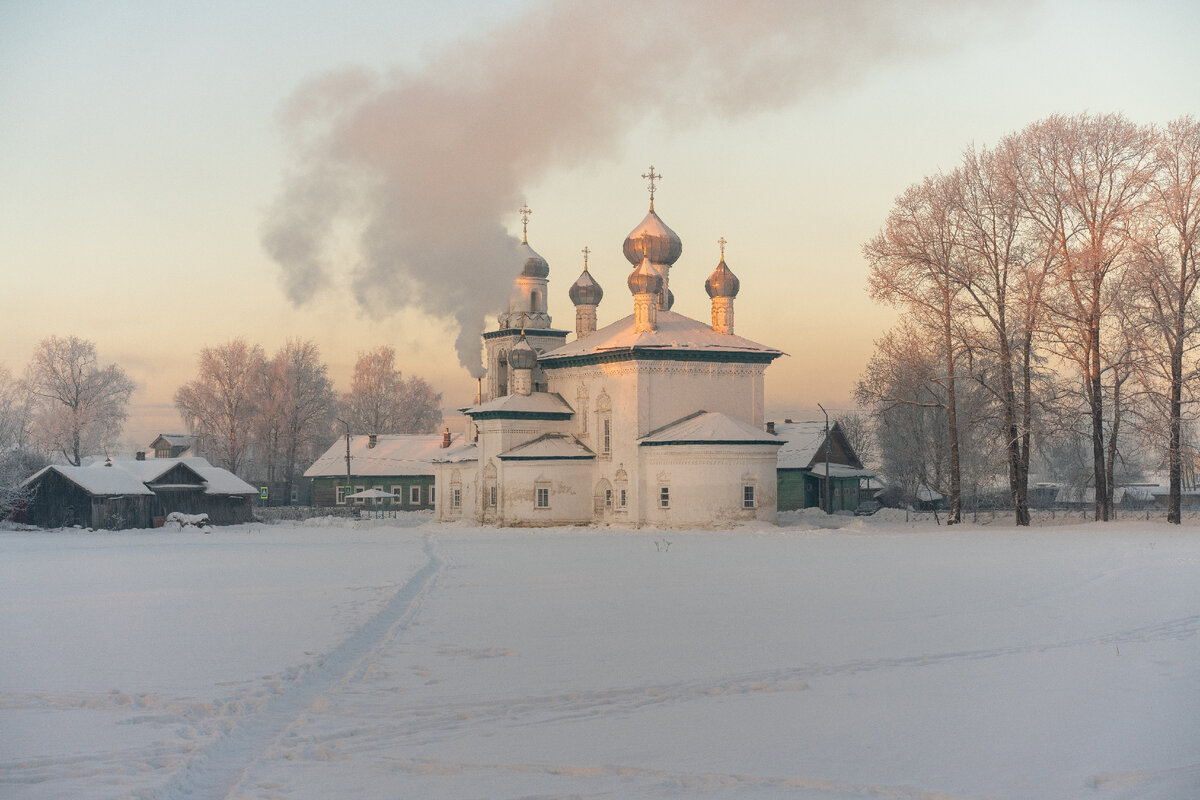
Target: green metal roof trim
x=710, y=441
x=546, y=458
x=553, y=415
x=530, y=333
x=648, y=354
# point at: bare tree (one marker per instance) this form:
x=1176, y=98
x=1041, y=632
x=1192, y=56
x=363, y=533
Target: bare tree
x=913, y=263
x=80, y=406
x=381, y=400
x=1166, y=273
x=1082, y=181
x=220, y=404
x=17, y=460
x=296, y=408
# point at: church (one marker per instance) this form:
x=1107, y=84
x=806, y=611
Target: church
x=653, y=420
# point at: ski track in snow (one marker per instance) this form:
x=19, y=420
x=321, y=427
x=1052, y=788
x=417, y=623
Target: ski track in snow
x=217, y=770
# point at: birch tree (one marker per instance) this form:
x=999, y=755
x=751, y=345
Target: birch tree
x=221, y=403
x=80, y=405
x=381, y=400
x=913, y=265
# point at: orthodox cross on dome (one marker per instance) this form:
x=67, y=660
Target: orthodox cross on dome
x=524, y=211
x=652, y=177
x=586, y=250
x=722, y=242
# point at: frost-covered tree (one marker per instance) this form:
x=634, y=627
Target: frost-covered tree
x=295, y=411
x=221, y=404
x=381, y=400
x=17, y=460
x=80, y=406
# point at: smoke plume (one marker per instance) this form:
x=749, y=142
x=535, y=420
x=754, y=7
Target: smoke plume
x=424, y=166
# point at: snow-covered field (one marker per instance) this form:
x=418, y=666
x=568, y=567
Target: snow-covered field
x=403, y=659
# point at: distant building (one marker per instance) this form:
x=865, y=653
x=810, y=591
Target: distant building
x=173, y=445
x=122, y=493
x=399, y=463
x=801, y=472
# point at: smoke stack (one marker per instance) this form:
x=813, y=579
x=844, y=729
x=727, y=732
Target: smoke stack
x=771, y=427
x=446, y=438
x=140, y=455
x=372, y=440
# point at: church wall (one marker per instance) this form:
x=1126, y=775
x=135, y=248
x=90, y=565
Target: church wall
x=706, y=483
x=567, y=487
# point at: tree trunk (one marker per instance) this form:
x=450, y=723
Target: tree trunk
x=1174, y=499
x=1096, y=388
x=1111, y=467
x=952, y=420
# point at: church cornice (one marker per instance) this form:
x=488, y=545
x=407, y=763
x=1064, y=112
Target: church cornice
x=530, y=333
x=648, y=354
x=550, y=415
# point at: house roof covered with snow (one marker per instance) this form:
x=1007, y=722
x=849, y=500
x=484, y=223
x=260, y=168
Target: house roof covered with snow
x=130, y=476
x=676, y=336
x=553, y=446
x=96, y=480
x=804, y=445
x=537, y=405
x=393, y=454
x=707, y=427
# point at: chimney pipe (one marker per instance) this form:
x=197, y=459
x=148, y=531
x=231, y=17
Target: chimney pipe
x=372, y=440
x=140, y=455
x=771, y=427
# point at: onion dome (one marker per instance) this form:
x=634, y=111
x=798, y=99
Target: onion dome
x=522, y=356
x=652, y=239
x=722, y=282
x=585, y=291
x=645, y=279
x=670, y=299
x=535, y=265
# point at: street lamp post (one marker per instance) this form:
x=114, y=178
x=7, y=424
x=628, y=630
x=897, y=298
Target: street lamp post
x=828, y=447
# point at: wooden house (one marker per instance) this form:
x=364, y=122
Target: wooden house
x=399, y=463
x=122, y=493
x=801, y=474
x=174, y=445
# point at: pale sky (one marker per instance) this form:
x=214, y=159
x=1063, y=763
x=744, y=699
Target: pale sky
x=142, y=149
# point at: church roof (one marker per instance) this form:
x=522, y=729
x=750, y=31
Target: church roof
x=676, y=335
x=393, y=454
x=707, y=427
x=538, y=405
x=555, y=446
x=468, y=451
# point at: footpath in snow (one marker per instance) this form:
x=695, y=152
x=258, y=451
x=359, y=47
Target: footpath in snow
x=401, y=658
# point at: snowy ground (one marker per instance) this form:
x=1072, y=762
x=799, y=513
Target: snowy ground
x=403, y=659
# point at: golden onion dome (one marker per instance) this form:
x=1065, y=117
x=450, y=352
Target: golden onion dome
x=645, y=279
x=522, y=356
x=722, y=282
x=534, y=265
x=585, y=291
x=652, y=239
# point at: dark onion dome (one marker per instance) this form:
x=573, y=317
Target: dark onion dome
x=645, y=279
x=670, y=299
x=654, y=240
x=535, y=265
x=522, y=356
x=585, y=291
x=722, y=282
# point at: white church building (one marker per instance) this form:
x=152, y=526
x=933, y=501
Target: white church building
x=655, y=419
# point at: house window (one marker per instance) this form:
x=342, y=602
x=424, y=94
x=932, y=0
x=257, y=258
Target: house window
x=377, y=488
x=357, y=489
x=748, y=496
x=606, y=436
x=295, y=493
x=456, y=497
x=543, y=497
x=492, y=497
x=340, y=495
x=432, y=494
x=664, y=497
x=621, y=498
x=414, y=495
x=608, y=498
x=399, y=492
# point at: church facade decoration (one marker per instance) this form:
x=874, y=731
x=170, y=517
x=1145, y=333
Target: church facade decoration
x=653, y=420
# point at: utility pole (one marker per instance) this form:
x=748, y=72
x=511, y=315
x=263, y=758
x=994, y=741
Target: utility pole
x=828, y=447
x=347, y=424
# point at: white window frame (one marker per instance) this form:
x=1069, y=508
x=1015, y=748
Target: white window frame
x=606, y=435
x=456, y=497
x=542, y=494
x=398, y=490
x=414, y=495
x=358, y=501
x=608, y=498
x=432, y=494
x=339, y=495
x=749, y=496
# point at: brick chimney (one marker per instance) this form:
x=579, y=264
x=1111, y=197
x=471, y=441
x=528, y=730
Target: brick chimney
x=372, y=440
x=446, y=438
x=140, y=455
x=771, y=427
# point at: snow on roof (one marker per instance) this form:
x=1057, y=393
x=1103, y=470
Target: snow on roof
x=393, y=454
x=550, y=445
x=707, y=427
x=96, y=480
x=220, y=481
x=801, y=440
x=534, y=403
x=675, y=333
x=841, y=471
x=176, y=439
x=467, y=451
x=151, y=469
